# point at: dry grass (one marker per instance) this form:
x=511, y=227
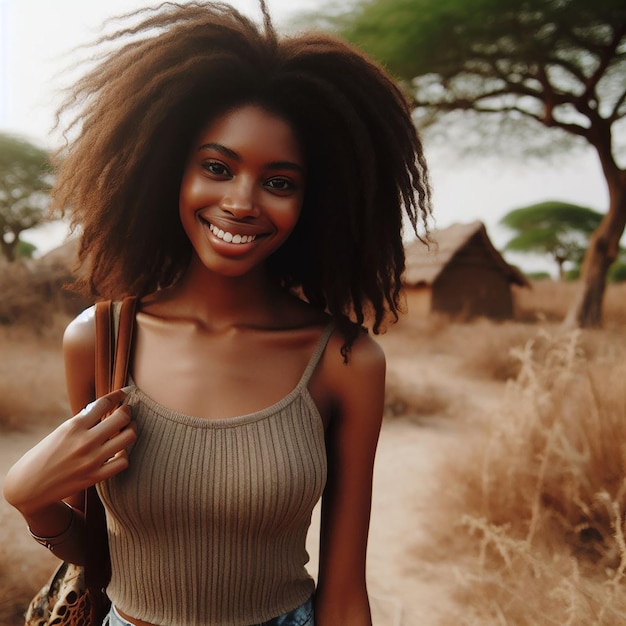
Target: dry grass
x=545, y=301
x=415, y=401
x=32, y=379
x=549, y=300
x=541, y=504
x=34, y=310
x=484, y=347
x=615, y=305
x=487, y=348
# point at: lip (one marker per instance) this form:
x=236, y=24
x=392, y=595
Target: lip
x=234, y=227
x=229, y=249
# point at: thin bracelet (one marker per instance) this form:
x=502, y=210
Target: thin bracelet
x=52, y=542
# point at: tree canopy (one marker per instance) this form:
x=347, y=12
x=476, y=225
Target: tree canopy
x=559, y=229
x=24, y=183
x=558, y=64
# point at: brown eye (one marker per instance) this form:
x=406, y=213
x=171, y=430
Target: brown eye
x=280, y=184
x=216, y=168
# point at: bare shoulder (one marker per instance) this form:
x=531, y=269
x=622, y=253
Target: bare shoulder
x=80, y=333
x=367, y=353
x=365, y=359
x=356, y=387
x=79, y=353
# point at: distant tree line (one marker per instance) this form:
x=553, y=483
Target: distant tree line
x=25, y=179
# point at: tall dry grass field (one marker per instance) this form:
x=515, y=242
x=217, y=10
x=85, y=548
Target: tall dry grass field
x=538, y=508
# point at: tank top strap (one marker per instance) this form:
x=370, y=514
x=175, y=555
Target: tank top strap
x=317, y=354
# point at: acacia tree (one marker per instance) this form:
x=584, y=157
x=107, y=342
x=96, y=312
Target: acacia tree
x=560, y=64
x=24, y=184
x=559, y=229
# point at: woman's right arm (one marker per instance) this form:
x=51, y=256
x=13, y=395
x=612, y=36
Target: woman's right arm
x=82, y=451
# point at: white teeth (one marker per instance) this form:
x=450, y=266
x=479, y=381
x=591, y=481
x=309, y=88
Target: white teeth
x=229, y=237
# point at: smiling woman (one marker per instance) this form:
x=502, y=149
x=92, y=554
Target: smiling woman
x=246, y=190
x=242, y=190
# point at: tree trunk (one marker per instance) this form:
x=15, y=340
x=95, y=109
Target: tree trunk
x=603, y=250
x=8, y=248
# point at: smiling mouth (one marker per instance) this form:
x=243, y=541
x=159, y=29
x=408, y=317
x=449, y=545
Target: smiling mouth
x=229, y=237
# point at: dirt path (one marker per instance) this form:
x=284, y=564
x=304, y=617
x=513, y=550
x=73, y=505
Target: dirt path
x=404, y=590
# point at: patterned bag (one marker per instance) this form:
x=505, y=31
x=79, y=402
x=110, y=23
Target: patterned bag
x=65, y=600
x=75, y=595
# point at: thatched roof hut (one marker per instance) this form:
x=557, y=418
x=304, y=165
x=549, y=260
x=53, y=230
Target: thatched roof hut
x=462, y=274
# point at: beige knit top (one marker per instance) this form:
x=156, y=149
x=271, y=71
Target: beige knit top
x=207, y=526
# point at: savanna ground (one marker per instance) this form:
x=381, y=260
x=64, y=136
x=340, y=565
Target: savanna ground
x=500, y=490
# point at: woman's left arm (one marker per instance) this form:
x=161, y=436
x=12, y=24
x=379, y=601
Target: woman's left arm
x=351, y=439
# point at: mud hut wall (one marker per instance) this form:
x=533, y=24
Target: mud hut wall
x=473, y=284
x=418, y=300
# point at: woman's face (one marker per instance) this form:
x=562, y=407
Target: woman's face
x=242, y=189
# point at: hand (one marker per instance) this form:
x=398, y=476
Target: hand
x=84, y=450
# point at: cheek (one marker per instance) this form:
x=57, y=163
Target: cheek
x=189, y=191
x=294, y=213
x=290, y=217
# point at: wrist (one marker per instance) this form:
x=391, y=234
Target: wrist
x=52, y=520
x=52, y=541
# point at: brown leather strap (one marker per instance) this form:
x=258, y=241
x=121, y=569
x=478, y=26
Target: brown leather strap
x=104, y=347
x=124, y=343
x=112, y=358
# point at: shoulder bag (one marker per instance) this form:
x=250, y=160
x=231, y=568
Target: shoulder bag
x=75, y=595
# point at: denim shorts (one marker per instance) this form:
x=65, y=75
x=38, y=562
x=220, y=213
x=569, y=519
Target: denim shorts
x=300, y=616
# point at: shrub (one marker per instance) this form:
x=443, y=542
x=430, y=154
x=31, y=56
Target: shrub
x=541, y=504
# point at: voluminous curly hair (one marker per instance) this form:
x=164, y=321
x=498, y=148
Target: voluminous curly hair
x=136, y=114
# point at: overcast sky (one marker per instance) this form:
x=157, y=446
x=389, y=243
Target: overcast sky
x=36, y=42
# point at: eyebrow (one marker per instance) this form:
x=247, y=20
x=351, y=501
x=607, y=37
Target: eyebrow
x=274, y=165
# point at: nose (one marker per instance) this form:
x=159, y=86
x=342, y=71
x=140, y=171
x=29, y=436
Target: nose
x=240, y=199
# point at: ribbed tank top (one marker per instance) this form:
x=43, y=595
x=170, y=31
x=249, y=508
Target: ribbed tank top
x=208, y=525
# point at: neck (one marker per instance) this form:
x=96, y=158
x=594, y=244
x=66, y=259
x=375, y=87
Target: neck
x=219, y=300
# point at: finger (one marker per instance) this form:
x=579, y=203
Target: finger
x=117, y=420
x=118, y=396
x=113, y=466
x=96, y=410
x=131, y=445
x=116, y=444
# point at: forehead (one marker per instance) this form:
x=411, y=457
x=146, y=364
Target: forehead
x=252, y=128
